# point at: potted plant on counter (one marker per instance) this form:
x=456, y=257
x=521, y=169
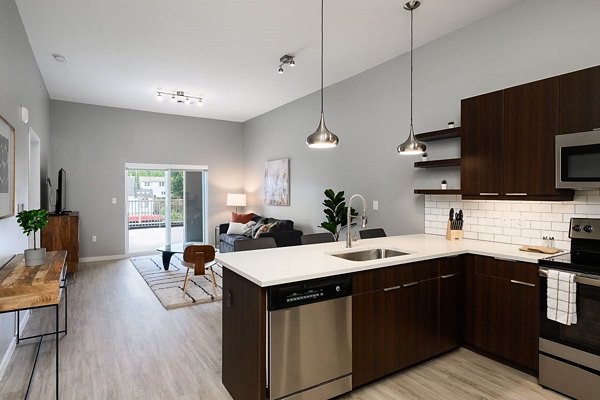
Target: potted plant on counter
x=424, y=157
x=335, y=212
x=32, y=221
x=444, y=185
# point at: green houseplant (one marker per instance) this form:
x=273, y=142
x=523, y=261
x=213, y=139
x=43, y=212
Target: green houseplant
x=335, y=212
x=32, y=221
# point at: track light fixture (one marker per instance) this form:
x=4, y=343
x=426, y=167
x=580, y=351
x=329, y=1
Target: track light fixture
x=179, y=97
x=286, y=60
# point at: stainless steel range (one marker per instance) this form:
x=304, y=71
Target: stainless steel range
x=569, y=355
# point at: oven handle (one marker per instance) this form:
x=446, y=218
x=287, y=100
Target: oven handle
x=583, y=280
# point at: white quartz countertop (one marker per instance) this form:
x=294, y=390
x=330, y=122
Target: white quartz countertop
x=297, y=263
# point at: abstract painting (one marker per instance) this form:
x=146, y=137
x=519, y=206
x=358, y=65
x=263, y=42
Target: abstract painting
x=7, y=169
x=277, y=182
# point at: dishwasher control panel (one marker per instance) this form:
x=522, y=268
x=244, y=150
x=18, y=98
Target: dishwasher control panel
x=307, y=292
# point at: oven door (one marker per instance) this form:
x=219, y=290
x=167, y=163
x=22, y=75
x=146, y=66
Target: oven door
x=585, y=334
x=578, y=160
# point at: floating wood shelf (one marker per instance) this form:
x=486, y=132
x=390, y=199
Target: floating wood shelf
x=437, y=191
x=442, y=134
x=451, y=162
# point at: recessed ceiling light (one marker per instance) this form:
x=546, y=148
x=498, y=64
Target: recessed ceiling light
x=59, y=58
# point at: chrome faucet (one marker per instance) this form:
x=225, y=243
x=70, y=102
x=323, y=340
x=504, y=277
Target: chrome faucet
x=349, y=217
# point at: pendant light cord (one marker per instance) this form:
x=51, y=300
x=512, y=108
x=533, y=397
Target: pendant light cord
x=411, y=69
x=322, y=7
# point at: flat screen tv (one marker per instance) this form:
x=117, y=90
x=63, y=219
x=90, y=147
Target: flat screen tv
x=61, y=192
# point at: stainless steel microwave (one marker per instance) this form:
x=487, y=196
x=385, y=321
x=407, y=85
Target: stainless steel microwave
x=578, y=160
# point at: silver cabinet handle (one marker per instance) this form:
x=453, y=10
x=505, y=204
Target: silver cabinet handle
x=450, y=276
x=489, y=194
x=410, y=284
x=505, y=259
x=522, y=283
x=389, y=289
x=516, y=194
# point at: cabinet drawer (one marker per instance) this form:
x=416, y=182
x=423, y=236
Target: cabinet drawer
x=505, y=269
x=381, y=278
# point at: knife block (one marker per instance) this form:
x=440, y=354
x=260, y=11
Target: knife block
x=453, y=234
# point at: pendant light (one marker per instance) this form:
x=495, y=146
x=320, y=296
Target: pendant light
x=322, y=138
x=411, y=146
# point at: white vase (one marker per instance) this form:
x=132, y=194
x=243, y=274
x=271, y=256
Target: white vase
x=444, y=186
x=35, y=257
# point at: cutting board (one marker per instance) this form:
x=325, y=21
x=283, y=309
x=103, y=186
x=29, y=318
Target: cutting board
x=540, y=249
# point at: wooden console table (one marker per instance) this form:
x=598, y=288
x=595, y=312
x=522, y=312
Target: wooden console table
x=27, y=288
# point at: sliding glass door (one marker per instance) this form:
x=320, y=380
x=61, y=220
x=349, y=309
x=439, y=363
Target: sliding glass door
x=166, y=204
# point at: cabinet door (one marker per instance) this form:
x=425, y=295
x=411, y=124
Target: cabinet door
x=530, y=125
x=375, y=335
x=451, y=303
x=523, y=332
x=580, y=101
x=481, y=143
x=418, y=321
x=490, y=313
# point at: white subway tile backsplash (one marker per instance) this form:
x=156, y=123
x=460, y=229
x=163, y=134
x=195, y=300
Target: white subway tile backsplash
x=517, y=222
x=563, y=208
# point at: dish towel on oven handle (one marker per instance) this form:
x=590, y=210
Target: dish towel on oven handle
x=562, y=297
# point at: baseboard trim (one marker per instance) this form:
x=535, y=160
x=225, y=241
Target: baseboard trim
x=13, y=345
x=103, y=258
x=117, y=256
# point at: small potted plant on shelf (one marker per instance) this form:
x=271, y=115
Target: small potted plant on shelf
x=450, y=124
x=32, y=221
x=444, y=185
x=424, y=157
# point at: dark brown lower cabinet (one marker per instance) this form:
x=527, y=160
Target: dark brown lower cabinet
x=452, y=303
x=397, y=322
x=244, y=333
x=375, y=335
x=503, y=320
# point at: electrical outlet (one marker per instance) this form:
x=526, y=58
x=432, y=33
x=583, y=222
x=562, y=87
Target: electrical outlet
x=114, y=200
x=375, y=205
x=94, y=238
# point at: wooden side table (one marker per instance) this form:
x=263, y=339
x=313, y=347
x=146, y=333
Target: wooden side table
x=28, y=288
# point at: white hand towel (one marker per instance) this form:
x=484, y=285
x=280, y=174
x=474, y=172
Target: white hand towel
x=562, y=297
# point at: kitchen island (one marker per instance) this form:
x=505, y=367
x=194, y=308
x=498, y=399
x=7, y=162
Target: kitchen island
x=405, y=309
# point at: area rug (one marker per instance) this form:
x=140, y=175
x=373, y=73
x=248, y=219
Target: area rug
x=167, y=286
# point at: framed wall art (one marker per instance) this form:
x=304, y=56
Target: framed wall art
x=277, y=182
x=7, y=169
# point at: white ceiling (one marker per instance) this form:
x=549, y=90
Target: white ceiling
x=120, y=52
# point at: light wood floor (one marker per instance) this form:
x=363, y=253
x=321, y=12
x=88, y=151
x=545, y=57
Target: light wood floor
x=122, y=344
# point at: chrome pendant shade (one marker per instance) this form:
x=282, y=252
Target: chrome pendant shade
x=411, y=146
x=322, y=138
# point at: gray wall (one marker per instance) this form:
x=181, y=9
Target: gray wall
x=20, y=85
x=370, y=112
x=93, y=143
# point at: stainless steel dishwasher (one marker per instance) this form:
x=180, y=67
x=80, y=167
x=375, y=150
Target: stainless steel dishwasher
x=310, y=339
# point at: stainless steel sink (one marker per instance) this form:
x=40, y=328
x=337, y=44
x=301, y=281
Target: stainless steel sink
x=370, y=254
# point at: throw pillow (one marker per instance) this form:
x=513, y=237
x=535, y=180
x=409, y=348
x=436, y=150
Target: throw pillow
x=235, y=228
x=247, y=231
x=274, y=227
x=262, y=229
x=241, y=218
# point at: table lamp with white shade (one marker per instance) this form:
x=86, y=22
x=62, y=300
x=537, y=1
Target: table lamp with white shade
x=236, y=200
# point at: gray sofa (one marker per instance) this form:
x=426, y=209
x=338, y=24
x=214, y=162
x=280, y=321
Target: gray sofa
x=285, y=235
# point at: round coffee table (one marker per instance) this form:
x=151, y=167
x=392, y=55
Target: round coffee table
x=170, y=249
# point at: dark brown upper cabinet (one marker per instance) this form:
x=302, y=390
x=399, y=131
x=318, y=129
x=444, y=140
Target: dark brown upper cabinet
x=530, y=125
x=507, y=149
x=580, y=101
x=482, y=130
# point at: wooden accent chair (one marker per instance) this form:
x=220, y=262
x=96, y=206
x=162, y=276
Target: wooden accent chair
x=199, y=258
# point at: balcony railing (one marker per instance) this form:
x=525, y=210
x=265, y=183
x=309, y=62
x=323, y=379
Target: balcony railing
x=151, y=213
